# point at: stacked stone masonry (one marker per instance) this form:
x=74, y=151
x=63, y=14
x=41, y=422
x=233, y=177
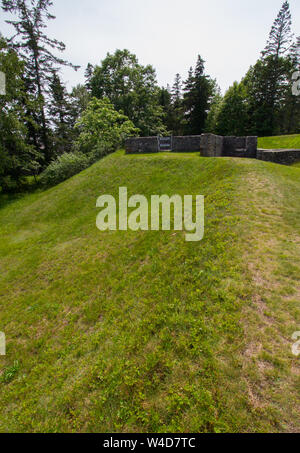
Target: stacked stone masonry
x=279, y=156
x=141, y=145
x=210, y=145
x=188, y=143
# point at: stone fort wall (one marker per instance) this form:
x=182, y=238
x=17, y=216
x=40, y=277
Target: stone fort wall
x=210, y=145
x=138, y=145
x=279, y=156
x=188, y=143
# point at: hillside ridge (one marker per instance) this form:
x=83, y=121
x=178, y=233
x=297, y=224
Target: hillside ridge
x=142, y=331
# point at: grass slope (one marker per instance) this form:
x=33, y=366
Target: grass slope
x=280, y=142
x=125, y=331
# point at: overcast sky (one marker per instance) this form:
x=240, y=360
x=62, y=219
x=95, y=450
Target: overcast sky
x=169, y=34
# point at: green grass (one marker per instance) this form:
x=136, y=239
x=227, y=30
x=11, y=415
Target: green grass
x=142, y=331
x=280, y=142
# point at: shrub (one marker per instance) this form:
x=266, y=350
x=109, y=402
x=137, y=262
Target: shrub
x=102, y=129
x=65, y=166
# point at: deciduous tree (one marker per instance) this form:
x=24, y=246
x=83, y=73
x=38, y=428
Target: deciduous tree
x=102, y=129
x=132, y=89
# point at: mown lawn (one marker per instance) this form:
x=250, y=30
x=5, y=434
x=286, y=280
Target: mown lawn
x=280, y=142
x=142, y=331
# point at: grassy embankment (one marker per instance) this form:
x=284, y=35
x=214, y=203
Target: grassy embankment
x=142, y=331
x=282, y=141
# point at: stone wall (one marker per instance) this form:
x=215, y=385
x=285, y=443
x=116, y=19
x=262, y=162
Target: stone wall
x=186, y=144
x=141, y=145
x=251, y=147
x=240, y=147
x=279, y=156
x=211, y=145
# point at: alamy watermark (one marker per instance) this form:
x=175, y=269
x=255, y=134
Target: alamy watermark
x=186, y=212
x=296, y=83
x=2, y=83
x=2, y=344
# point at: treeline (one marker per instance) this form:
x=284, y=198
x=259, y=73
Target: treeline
x=261, y=104
x=49, y=132
x=37, y=115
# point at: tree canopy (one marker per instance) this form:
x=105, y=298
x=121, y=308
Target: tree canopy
x=102, y=129
x=132, y=89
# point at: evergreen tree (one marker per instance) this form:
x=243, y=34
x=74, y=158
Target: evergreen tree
x=60, y=112
x=35, y=49
x=17, y=158
x=177, y=89
x=268, y=80
x=280, y=38
x=199, y=90
x=177, y=115
x=188, y=99
x=88, y=76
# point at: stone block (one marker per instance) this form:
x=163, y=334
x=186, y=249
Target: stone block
x=279, y=156
x=240, y=143
x=188, y=143
x=251, y=147
x=211, y=145
x=141, y=145
x=219, y=145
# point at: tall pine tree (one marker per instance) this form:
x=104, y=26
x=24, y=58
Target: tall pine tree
x=268, y=80
x=35, y=49
x=60, y=112
x=88, y=74
x=199, y=89
x=176, y=89
x=17, y=158
x=280, y=38
x=177, y=107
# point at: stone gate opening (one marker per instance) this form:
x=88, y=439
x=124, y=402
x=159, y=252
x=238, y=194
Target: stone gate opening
x=164, y=143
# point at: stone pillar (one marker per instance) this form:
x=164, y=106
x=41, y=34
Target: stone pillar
x=219, y=141
x=251, y=147
x=211, y=145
